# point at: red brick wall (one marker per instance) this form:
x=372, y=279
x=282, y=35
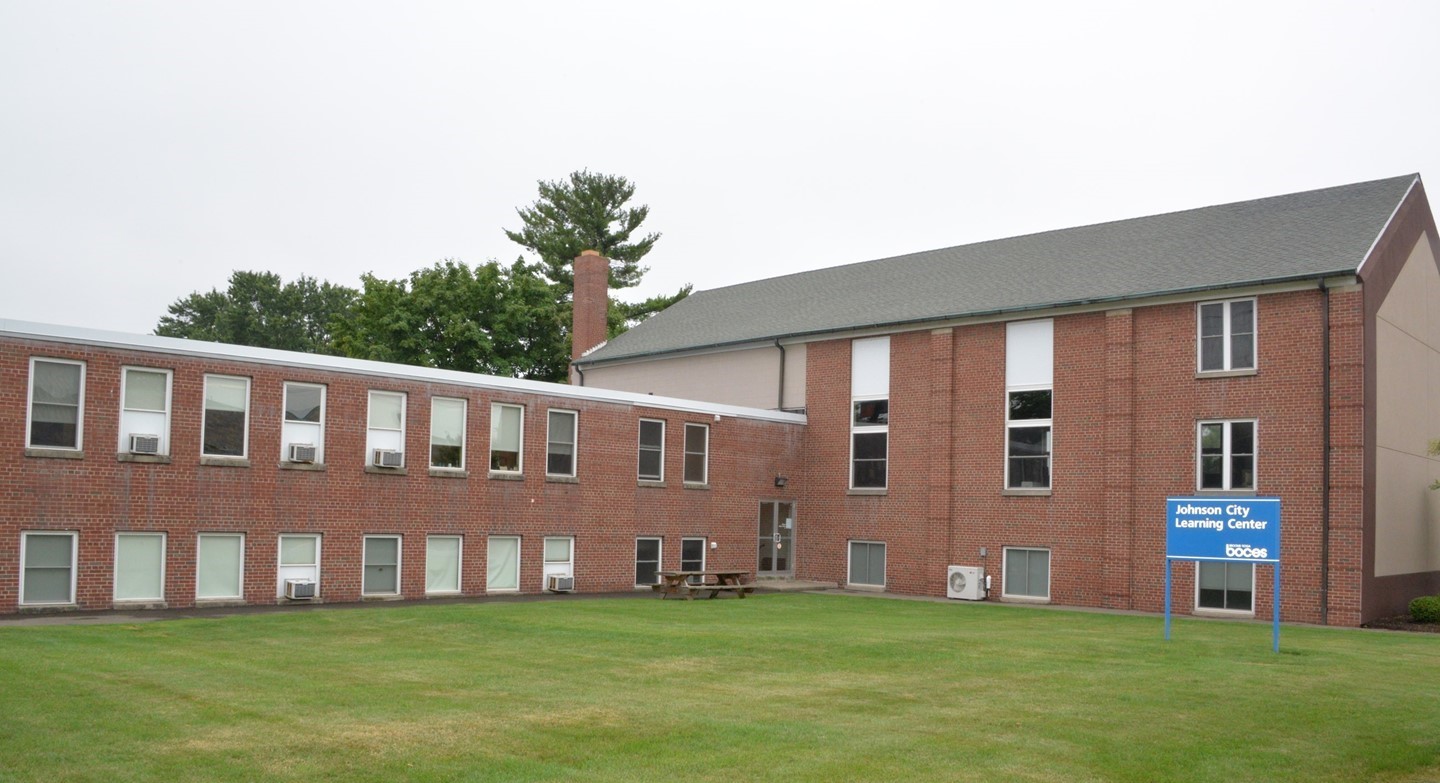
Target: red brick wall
x=604, y=510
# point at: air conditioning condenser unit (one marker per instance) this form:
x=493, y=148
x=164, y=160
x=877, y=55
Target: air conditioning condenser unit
x=300, y=589
x=556, y=583
x=965, y=582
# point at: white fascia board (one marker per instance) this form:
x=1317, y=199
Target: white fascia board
x=1369, y=252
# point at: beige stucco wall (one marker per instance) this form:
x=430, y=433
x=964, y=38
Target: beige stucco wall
x=747, y=377
x=1407, y=417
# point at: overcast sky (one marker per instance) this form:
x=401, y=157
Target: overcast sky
x=147, y=149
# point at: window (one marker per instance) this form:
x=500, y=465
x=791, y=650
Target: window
x=139, y=566
x=869, y=412
x=692, y=554
x=1227, y=335
x=47, y=568
x=697, y=453
x=507, y=425
x=1027, y=573
x=502, y=564
x=560, y=443
x=385, y=437
x=652, y=450
x=1223, y=585
x=447, y=433
x=867, y=563
x=647, y=561
x=1227, y=455
x=227, y=416
x=57, y=399
x=299, y=559
x=304, y=423
x=1029, y=352
x=559, y=558
x=382, y=566
x=145, y=411
x=220, y=566
x=442, y=564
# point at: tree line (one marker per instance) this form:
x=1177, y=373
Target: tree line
x=500, y=319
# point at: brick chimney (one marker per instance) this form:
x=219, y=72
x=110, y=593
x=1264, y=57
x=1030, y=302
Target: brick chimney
x=592, y=302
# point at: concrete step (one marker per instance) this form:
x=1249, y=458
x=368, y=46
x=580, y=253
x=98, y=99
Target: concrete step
x=792, y=585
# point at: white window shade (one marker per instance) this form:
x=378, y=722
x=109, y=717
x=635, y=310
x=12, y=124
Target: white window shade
x=870, y=367
x=218, y=566
x=502, y=564
x=139, y=567
x=1030, y=353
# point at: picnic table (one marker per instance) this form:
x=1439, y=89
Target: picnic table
x=687, y=583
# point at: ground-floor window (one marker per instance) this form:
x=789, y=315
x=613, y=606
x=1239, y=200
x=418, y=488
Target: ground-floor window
x=299, y=559
x=220, y=566
x=867, y=563
x=502, y=563
x=692, y=554
x=382, y=566
x=559, y=558
x=47, y=568
x=647, y=561
x=139, y=566
x=1221, y=585
x=1027, y=573
x=442, y=564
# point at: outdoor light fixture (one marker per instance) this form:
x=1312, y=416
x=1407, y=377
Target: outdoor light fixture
x=781, y=481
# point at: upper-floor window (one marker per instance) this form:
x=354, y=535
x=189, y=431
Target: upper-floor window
x=302, y=436
x=697, y=453
x=447, y=433
x=225, y=430
x=145, y=411
x=385, y=436
x=1029, y=375
x=560, y=443
x=57, y=401
x=1227, y=335
x=869, y=412
x=507, y=438
x=652, y=450
x=1227, y=455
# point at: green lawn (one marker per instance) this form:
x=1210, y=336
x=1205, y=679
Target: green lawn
x=775, y=687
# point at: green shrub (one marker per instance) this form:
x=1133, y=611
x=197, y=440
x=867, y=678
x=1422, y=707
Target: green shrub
x=1425, y=609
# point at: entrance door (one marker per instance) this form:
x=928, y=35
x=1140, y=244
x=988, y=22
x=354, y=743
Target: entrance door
x=777, y=539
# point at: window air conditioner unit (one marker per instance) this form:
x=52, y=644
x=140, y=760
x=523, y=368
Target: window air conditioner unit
x=144, y=444
x=556, y=583
x=299, y=589
x=965, y=582
x=389, y=458
x=302, y=452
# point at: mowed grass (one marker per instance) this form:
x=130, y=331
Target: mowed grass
x=775, y=687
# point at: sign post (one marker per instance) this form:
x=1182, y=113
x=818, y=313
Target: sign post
x=1236, y=530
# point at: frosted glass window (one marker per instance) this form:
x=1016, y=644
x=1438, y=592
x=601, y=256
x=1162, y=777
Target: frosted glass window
x=870, y=367
x=139, y=566
x=1029, y=353
x=442, y=564
x=218, y=566
x=145, y=390
x=557, y=550
x=502, y=563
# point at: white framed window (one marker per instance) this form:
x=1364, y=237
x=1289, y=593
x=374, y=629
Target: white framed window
x=502, y=564
x=47, y=568
x=381, y=566
x=562, y=430
x=867, y=564
x=1226, y=335
x=447, y=433
x=869, y=413
x=56, y=405
x=220, y=566
x=1029, y=375
x=647, y=560
x=385, y=431
x=1226, y=455
x=559, y=557
x=225, y=430
x=651, y=445
x=692, y=555
x=507, y=438
x=145, y=411
x=299, y=559
x=1225, y=586
x=697, y=453
x=1027, y=573
x=139, y=566
x=303, y=427
x=442, y=564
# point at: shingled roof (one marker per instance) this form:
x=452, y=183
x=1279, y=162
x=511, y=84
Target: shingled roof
x=1269, y=240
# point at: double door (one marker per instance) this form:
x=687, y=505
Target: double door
x=776, y=539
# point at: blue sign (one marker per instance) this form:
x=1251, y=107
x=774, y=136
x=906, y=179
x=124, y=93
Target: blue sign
x=1244, y=530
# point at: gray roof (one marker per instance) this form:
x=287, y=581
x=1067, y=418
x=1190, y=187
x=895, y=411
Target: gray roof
x=1293, y=237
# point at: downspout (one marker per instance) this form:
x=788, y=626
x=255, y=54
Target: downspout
x=1324, y=454
x=580, y=371
x=780, y=396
